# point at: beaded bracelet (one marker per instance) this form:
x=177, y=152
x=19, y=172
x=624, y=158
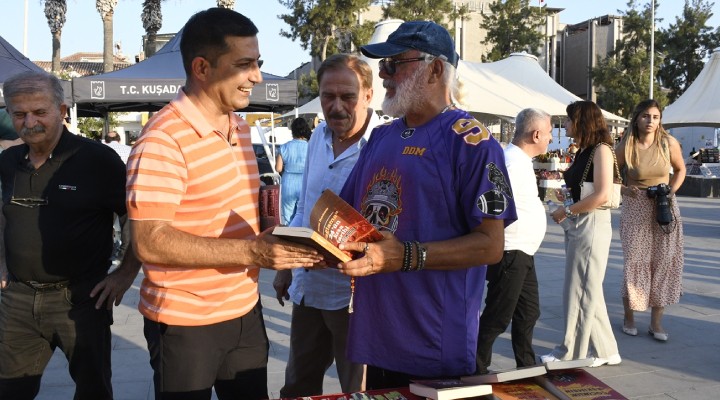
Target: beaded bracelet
x=407, y=257
x=421, y=256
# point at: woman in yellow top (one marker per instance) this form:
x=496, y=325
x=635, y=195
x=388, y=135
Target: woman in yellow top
x=652, y=246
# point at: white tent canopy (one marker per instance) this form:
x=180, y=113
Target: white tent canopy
x=700, y=104
x=499, y=90
x=503, y=88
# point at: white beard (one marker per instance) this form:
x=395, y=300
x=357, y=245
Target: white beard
x=408, y=94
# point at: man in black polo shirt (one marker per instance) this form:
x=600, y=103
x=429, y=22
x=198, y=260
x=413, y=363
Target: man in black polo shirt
x=59, y=193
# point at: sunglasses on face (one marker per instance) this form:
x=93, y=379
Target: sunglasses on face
x=390, y=66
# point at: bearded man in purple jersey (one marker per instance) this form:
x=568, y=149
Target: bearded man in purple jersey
x=434, y=182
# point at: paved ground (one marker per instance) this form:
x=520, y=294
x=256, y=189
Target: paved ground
x=687, y=367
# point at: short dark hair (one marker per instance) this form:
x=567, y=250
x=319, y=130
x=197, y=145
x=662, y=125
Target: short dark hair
x=204, y=34
x=355, y=63
x=112, y=138
x=300, y=129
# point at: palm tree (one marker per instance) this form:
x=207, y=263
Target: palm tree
x=226, y=4
x=55, y=11
x=106, y=8
x=152, y=22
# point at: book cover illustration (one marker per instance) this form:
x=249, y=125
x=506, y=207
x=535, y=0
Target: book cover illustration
x=332, y=221
x=339, y=222
x=448, y=389
x=578, y=384
x=506, y=375
x=524, y=389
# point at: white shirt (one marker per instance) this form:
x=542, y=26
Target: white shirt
x=326, y=289
x=528, y=231
x=122, y=150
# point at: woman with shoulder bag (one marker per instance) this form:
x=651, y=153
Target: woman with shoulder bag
x=588, y=332
x=650, y=226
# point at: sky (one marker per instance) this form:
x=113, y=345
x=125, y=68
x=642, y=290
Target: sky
x=83, y=27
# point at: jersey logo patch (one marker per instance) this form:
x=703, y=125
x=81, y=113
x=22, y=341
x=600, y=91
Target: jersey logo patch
x=407, y=133
x=382, y=204
x=495, y=201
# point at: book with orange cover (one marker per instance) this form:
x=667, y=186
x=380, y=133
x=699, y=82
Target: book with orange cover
x=332, y=221
x=578, y=384
x=524, y=389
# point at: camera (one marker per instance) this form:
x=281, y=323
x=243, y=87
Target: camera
x=660, y=193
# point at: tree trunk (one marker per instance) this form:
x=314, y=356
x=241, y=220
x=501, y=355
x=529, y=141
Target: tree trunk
x=56, y=66
x=151, y=43
x=108, y=55
x=323, y=53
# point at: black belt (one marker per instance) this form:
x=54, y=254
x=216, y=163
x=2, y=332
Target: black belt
x=41, y=287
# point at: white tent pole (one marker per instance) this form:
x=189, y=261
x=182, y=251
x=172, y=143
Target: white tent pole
x=272, y=132
x=73, y=119
x=263, y=139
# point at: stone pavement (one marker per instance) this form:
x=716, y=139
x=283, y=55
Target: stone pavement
x=687, y=367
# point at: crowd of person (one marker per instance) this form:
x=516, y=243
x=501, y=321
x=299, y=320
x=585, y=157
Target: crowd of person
x=452, y=205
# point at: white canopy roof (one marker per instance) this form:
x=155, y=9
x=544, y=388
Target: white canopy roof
x=503, y=88
x=500, y=89
x=700, y=104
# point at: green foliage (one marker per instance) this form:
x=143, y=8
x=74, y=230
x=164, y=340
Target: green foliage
x=308, y=86
x=362, y=33
x=685, y=45
x=411, y=10
x=513, y=26
x=623, y=77
x=93, y=127
x=324, y=27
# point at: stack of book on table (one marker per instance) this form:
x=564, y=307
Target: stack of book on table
x=531, y=383
x=559, y=380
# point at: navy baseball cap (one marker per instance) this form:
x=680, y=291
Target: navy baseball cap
x=425, y=36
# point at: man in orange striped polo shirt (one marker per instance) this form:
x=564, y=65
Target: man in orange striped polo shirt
x=193, y=186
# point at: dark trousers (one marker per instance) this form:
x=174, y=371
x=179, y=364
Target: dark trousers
x=512, y=294
x=34, y=322
x=188, y=361
x=317, y=337
x=378, y=378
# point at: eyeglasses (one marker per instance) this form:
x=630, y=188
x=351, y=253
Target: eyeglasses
x=390, y=66
x=28, y=202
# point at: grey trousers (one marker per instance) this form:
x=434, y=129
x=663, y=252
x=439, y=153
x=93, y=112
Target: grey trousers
x=317, y=337
x=587, y=326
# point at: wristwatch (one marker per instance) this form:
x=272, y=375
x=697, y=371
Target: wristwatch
x=568, y=213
